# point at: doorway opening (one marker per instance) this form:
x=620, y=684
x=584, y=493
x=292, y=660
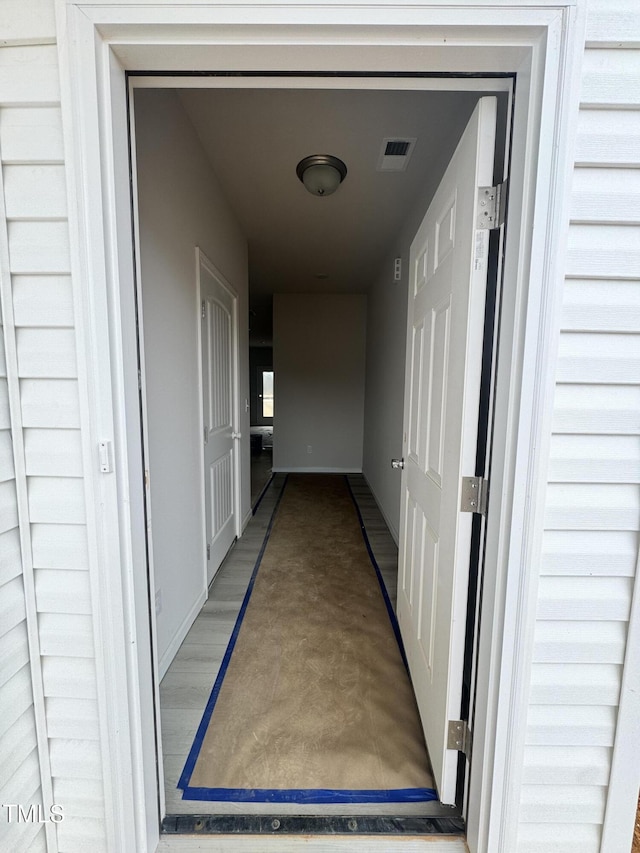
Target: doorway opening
x=262, y=406
x=538, y=44
x=293, y=443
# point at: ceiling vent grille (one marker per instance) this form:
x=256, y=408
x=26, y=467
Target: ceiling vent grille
x=395, y=154
x=396, y=148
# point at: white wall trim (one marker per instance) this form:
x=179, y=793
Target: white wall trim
x=247, y=519
x=165, y=661
x=318, y=470
x=199, y=258
x=507, y=35
x=145, y=455
x=392, y=530
x=108, y=519
x=427, y=84
x=533, y=434
x=171, y=5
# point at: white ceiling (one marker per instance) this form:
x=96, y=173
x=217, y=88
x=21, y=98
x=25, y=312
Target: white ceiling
x=256, y=137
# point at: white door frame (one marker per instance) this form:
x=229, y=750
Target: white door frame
x=98, y=40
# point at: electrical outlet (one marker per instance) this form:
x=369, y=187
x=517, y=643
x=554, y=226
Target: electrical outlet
x=158, y=602
x=309, y=448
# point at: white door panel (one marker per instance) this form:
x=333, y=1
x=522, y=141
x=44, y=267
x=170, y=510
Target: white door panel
x=448, y=269
x=218, y=312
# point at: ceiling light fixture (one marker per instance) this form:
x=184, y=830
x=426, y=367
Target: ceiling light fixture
x=321, y=174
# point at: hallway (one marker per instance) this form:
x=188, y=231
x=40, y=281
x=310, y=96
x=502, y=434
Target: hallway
x=186, y=687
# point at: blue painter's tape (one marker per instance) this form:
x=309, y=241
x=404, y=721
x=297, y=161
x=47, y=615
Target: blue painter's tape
x=183, y=782
x=385, y=594
x=311, y=795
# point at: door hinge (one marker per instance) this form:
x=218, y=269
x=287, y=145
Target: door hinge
x=208, y=552
x=459, y=737
x=204, y=310
x=491, y=205
x=475, y=491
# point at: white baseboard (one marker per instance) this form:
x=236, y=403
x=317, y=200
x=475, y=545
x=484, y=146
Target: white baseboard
x=246, y=521
x=178, y=638
x=392, y=530
x=320, y=470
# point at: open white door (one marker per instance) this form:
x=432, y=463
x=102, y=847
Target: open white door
x=448, y=272
x=219, y=382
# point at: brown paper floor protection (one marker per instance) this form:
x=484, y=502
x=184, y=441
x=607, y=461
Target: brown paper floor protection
x=315, y=704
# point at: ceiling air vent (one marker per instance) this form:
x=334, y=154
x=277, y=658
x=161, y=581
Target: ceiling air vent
x=396, y=148
x=395, y=154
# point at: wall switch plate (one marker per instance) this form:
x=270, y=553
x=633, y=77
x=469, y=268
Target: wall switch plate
x=309, y=448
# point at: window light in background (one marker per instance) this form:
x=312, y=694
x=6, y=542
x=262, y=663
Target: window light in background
x=267, y=393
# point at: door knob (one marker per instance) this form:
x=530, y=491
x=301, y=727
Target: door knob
x=397, y=463
x=236, y=435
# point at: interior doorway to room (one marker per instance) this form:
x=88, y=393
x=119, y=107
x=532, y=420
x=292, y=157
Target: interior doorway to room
x=262, y=407
x=221, y=121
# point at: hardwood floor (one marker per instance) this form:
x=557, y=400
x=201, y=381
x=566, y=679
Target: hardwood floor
x=185, y=689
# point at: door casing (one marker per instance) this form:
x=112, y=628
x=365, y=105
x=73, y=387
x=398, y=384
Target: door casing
x=99, y=42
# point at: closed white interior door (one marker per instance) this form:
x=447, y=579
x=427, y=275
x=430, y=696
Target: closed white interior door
x=448, y=271
x=218, y=317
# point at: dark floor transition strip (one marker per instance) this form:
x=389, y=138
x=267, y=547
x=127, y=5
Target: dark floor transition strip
x=311, y=825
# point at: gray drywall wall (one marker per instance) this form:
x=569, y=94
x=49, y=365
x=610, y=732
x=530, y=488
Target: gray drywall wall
x=181, y=207
x=384, y=388
x=319, y=364
x=386, y=355
x=387, y=335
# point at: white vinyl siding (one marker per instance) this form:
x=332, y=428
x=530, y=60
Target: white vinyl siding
x=19, y=762
x=40, y=290
x=20, y=771
x=590, y=550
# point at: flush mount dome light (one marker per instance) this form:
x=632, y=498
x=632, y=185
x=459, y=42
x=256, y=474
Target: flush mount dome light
x=321, y=174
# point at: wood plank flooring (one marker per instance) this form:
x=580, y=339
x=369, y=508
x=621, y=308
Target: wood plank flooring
x=185, y=689
x=261, y=465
